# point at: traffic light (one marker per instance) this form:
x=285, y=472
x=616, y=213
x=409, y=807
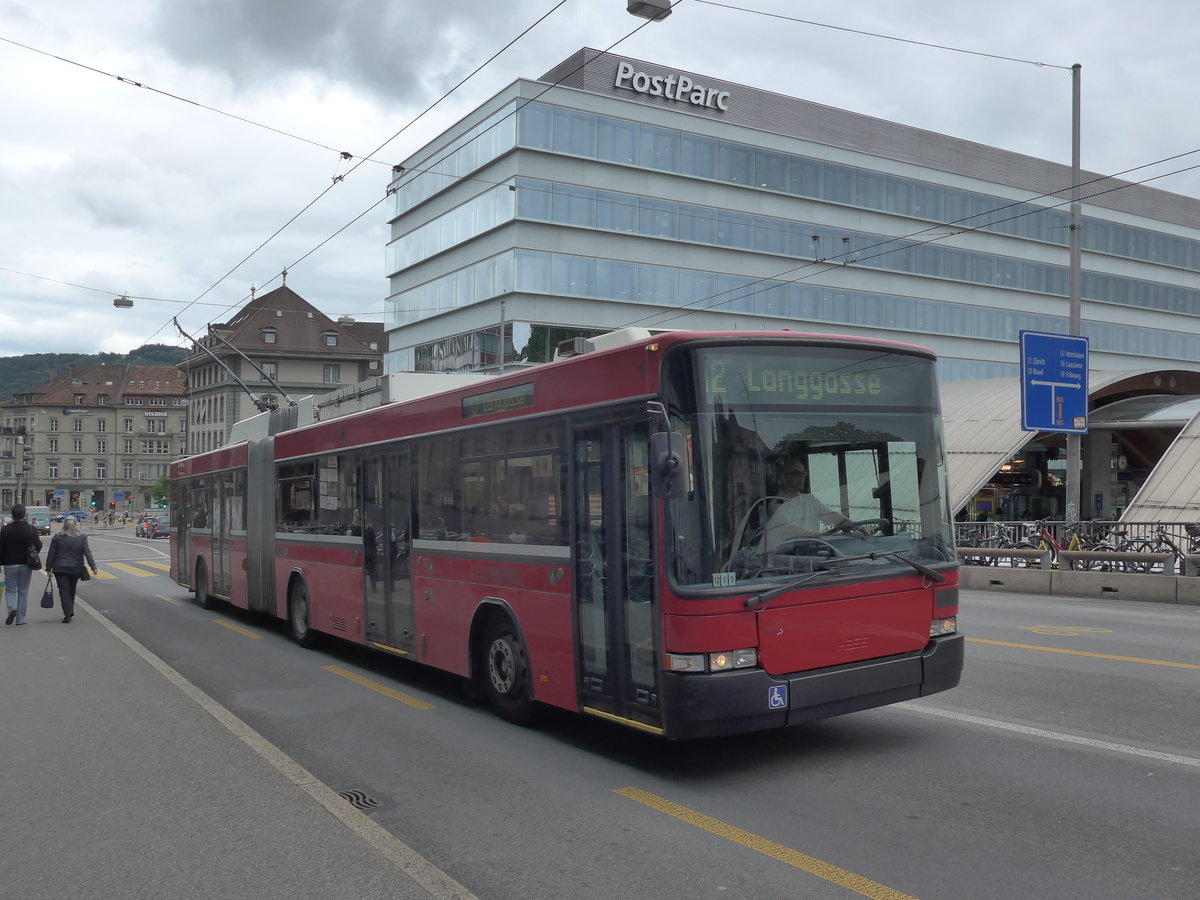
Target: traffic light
x=93, y=504
x=49, y=497
x=163, y=505
x=112, y=504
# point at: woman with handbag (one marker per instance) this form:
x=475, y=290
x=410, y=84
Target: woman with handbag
x=69, y=551
x=19, y=549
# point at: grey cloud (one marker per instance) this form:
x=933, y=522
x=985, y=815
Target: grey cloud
x=389, y=48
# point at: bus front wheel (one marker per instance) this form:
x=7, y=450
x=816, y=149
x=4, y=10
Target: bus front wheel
x=506, y=673
x=298, y=613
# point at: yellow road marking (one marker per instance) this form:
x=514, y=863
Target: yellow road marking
x=379, y=688
x=1136, y=659
x=154, y=564
x=132, y=570
x=169, y=599
x=104, y=576
x=239, y=629
x=831, y=873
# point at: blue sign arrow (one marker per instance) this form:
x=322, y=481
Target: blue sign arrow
x=1054, y=382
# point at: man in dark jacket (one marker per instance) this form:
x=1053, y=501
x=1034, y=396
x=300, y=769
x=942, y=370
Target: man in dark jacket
x=17, y=538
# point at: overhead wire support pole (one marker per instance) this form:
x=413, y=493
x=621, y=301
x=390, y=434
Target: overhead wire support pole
x=1074, y=325
x=261, y=405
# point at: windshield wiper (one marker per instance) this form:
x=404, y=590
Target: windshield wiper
x=833, y=566
x=893, y=555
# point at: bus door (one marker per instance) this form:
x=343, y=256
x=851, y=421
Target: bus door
x=615, y=606
x=384, y=528
x=222, y=498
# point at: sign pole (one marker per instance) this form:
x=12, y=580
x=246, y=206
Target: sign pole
x=1075, y=284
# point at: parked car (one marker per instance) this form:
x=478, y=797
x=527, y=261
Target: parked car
x=159, y=527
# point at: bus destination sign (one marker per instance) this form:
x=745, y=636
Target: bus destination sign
x=505, y=400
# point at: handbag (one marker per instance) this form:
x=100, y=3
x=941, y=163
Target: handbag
x=35, y=559
x=84, y=576
x=48, y=594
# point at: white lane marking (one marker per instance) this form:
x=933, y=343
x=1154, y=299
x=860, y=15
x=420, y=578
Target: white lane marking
x=1128, y=749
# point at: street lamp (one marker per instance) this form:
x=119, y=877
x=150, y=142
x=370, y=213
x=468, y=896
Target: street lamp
x=123, y=302
x=654, y=10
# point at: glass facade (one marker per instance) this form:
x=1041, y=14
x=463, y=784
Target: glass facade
x=562, y=131
x=591, y=136
x=562, y=204
x=564, y=275
x=489, y=139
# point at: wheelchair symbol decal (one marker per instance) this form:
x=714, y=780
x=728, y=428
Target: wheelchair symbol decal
x=777, y=697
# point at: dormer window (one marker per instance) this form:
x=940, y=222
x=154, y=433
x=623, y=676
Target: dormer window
x=270, y=335
x=330, y=338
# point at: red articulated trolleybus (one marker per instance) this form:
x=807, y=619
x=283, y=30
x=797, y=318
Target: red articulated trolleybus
x=690, y=533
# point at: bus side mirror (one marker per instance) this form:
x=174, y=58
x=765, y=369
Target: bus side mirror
x=668, y=454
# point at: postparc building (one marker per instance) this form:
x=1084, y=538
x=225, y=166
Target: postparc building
x=615, y=192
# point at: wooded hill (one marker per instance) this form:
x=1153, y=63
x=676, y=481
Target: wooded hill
x=23, y=373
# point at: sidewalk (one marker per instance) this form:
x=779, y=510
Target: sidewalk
x=122, y=780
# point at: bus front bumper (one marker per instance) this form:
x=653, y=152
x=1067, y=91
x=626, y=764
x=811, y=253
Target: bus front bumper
x=752, y=700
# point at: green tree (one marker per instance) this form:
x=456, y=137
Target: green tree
x=160, y=492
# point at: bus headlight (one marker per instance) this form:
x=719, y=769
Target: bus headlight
x=938, y=627
x=733, y=659
x=712, y=662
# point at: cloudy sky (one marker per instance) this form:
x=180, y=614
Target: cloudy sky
x=224, y=167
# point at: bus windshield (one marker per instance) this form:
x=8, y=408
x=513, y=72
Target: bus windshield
x=805, y=459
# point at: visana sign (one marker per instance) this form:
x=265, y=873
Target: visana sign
x=673, y=87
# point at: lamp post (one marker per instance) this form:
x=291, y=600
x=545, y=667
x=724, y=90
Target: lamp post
x=1075, y=284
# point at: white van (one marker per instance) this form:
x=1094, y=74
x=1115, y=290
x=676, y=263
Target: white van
x=39, y=518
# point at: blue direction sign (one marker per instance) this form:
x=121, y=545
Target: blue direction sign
x=1054, y=382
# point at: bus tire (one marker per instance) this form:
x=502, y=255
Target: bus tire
x=506, y=678
x=298, y=616
x=204, y=599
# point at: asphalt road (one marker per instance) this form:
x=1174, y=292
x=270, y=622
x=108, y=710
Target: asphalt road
x=1066, y=764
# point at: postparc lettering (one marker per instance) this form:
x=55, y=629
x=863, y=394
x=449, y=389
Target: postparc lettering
x=673, y=87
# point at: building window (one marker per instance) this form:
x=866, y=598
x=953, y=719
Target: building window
x=77, y=446
x=79, y=400
x=101, y=425
x=54, y=424
x=158, y=401
x=52, y=471
x=101, y=446
x=330, y=338
x=270, y=370
x=333, y=373
x=127, y=471
x=53, y=445
x=77, y=424
x=269, y=335
x=77, y=470
x=129, y=426
x=102, y=399
x=128, y=447
x=135, y=401
x=101, y=469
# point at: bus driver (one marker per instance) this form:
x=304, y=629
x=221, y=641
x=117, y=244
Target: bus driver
x=802, y=514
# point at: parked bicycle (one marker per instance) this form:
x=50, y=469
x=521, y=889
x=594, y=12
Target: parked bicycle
x=1090, y=535
x=1165, y=542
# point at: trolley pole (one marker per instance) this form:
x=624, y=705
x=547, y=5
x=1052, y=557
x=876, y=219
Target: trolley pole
x=1075, y=286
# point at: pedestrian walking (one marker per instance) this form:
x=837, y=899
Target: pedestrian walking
x=18, y=540
x=69, y=551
